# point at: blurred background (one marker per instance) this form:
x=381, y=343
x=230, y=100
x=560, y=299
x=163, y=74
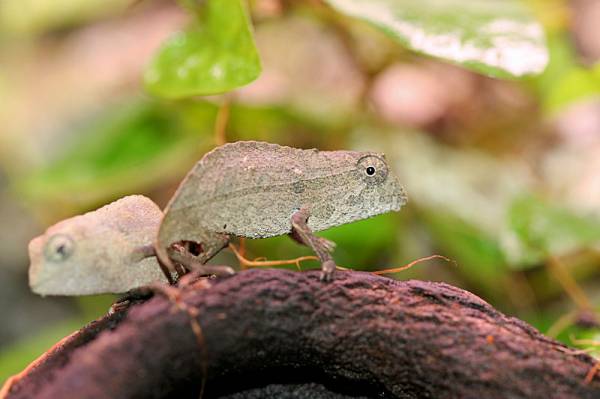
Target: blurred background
x=497, y=143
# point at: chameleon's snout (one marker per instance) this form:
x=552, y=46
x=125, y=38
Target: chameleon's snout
x=36, y=267
x=401, y=199
x=398, y=197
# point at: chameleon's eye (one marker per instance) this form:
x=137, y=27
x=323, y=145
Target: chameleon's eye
x=59, y=248
x=373, y=169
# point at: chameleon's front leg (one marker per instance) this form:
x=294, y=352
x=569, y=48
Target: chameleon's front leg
x=301, y=232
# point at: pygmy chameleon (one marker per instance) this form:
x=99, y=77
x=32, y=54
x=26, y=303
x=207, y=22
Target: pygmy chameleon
x=104, y=251
x=256, y=190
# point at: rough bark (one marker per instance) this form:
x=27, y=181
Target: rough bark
x=280, y=334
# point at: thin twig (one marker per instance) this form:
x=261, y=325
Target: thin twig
x=221, y=122
x=583, y=341
x=244, y=263
x=566, y=280
x=411, y=264
x=563, y=322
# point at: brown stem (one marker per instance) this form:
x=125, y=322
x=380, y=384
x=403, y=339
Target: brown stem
x=246, y=263
x=277, y=333
x=221, y=122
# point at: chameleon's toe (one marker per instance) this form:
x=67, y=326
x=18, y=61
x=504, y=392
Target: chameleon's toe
x=327, y=270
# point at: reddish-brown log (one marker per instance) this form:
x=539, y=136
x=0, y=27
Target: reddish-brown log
x=281, y=334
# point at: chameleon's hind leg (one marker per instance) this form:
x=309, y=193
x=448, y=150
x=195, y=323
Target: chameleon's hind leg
x=322, y=247
x=196, y=266
x=193, y=255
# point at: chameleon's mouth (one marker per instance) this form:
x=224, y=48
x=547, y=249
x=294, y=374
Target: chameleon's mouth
x=400, y=200
x=399, y=197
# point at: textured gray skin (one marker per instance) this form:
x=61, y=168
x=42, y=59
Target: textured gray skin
x=252, y=189
x=98, y=252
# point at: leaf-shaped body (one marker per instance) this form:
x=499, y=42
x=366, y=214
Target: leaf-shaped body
x=251, y=189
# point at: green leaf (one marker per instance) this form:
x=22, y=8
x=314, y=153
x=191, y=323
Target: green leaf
x=497, y=38
x=215, y=55
x=544, y=229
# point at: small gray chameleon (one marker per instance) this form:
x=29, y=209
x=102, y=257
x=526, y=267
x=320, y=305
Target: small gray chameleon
x=255, y=189
x=109, y=250
x=104, y=251
x=247, y=189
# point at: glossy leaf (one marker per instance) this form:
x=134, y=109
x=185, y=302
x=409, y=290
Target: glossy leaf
x=215, y=55
x=497, y=38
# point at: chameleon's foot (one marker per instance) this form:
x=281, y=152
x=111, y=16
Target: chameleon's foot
x=322, y=247
x=327, y=270
x=132, y=296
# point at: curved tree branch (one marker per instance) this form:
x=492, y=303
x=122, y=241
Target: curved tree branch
x=280, y=334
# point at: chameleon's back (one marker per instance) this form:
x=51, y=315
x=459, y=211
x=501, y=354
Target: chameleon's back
x=251, y=189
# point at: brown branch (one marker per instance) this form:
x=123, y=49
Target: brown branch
x=282, y=334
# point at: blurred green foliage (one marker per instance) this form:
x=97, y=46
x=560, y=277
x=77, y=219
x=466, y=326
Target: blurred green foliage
x=30, y=17
x=546, y=229
x=472, y=248
x=565, y=81
x=128, y=148
x=493, y=200
x=34, y=343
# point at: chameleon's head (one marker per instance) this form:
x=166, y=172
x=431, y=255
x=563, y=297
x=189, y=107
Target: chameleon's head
x=96, y=252
x=366, y=187
x=376, y=189
x=56, y=262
